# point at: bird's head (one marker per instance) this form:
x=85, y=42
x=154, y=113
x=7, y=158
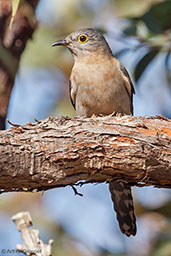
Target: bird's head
x=85, y=41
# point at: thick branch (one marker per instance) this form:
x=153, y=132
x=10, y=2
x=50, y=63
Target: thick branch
x=62, y=151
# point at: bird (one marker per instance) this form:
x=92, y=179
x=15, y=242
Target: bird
x=99, y=84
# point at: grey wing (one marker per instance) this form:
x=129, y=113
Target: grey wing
x=72, y=100
x=128, y=86
x=123, y=205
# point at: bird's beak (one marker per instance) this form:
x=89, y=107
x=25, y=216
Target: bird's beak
x=60, y=42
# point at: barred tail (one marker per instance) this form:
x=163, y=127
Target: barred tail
x=123, y=205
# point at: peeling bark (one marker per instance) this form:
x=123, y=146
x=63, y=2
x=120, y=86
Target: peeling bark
x=63, y=151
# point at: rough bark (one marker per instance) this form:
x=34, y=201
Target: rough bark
x=63, y=151
x=12, y=44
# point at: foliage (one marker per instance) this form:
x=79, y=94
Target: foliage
x=15, y=5
x=153, y=31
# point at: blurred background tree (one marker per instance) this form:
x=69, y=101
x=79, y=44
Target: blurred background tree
x=152, y=29
x=13, y=40
x=139, y=33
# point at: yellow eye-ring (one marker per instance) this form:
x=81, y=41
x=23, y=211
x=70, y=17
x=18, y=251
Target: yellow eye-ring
x=83, y=38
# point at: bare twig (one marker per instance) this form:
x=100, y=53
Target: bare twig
x=32, y=246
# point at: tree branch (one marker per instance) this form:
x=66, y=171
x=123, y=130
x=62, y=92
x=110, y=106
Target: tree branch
x=32, y=246
x=12, y=45
x=62, y=151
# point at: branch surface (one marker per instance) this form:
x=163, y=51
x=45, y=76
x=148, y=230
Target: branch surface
x=63, y=151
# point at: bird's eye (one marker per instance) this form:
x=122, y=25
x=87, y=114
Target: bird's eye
x=83, y=39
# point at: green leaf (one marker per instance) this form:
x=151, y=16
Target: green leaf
x=15, y=4
x=144, y=62
x=131, y=29
x=157, y=18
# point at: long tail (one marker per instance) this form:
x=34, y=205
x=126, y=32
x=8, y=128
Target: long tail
x=123, y=205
